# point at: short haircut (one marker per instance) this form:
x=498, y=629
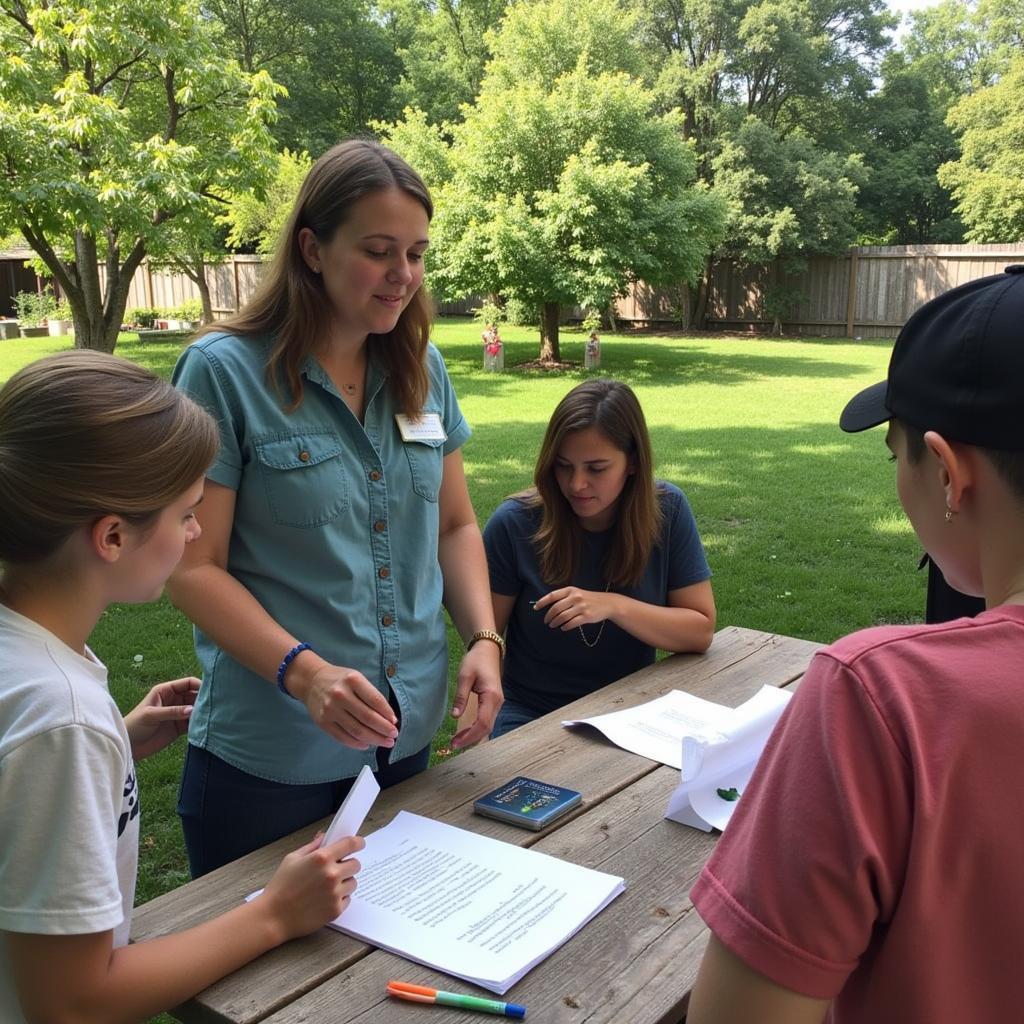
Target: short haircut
x=1008, y=464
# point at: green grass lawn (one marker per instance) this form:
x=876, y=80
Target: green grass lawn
x=800, y=521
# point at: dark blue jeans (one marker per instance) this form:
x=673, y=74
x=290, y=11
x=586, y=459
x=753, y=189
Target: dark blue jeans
x=511, y=716
x=226, y=813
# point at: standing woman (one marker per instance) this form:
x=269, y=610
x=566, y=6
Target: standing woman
x=335, y=521
x=596, y=566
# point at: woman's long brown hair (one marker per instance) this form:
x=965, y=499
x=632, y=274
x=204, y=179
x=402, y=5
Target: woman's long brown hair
x=612, y=408
x=290, y=305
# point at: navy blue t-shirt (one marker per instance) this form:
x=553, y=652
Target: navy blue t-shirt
x=546, y=668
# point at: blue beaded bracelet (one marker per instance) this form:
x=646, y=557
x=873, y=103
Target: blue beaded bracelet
x=283, y=667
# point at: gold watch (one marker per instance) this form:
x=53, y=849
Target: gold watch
x=487, y=634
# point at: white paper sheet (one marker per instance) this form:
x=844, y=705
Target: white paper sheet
x=725, y=762
x=468, y=905
x=349, y=817
x=656, y=729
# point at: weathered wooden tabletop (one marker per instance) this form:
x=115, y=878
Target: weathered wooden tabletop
x=635, y=962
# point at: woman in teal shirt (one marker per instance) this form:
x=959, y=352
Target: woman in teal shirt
x=336, y=521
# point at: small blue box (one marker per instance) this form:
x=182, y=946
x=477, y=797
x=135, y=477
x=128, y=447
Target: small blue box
x=527, y=802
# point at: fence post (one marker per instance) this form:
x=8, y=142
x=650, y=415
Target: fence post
x=851, y=299
x=234, y=274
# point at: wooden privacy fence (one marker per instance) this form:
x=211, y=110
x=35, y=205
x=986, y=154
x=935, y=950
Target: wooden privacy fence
x=867, y=292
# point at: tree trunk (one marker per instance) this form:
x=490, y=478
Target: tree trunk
x=204, y=294
x=701, y=296
x=613, y=322
x=92, y=335
x=549, y=352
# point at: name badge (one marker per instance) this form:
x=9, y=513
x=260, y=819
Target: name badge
x=426, y=428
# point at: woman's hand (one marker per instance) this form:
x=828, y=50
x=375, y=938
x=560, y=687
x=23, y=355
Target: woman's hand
x=161, y=716
x=570, y=607
x=479, y=674
x=312, y=886
x=343, y=702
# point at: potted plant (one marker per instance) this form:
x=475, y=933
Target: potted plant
x=8, y=329
x=33, y=308
x=60, y=321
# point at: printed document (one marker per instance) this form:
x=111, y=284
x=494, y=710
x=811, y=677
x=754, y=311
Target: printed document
x=468, y=905
x=656, y=729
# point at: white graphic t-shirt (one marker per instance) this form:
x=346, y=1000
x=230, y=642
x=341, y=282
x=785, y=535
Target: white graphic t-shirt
x=69, y=799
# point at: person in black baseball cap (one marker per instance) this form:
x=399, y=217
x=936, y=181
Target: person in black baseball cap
x=872, y=867
x=937, y=380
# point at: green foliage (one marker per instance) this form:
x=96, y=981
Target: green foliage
x=906, y=140
x=562, y=184
x=443, y=48
x=32, y=309
x=788, y=198
x=257, y=218
x=987, y=181
x=117, y=117
x=335, y=58
x=523, y=314
x=141, y=316
x=190, y=309
x=489, y=312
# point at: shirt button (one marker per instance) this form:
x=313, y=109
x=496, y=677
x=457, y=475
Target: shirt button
x=391, y=670
x=374, y=474
x=386, y=620
x=383, y=572
x=304, y=456
x=380, y=526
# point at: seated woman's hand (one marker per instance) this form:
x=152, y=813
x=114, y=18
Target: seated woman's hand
x=570, y=607
x=345, y=704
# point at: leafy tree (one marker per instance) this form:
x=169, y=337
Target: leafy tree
x=335, y=58
x=257, y=218
x=906, y=139
x=802, y=68
x=789, y=199
x=562, y=185
x=444, y=47
x=117, y=117
x=987, y=181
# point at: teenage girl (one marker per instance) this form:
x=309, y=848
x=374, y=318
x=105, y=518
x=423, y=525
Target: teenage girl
x=597, y=565
x=101, y=469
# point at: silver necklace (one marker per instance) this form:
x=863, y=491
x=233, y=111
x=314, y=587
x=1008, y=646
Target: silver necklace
x=600, y=632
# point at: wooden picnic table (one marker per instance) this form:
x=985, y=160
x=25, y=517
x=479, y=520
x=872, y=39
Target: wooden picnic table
x=635, y=962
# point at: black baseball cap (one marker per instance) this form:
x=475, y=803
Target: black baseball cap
x=957, y=367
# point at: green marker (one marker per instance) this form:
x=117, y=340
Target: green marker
x=423, y=994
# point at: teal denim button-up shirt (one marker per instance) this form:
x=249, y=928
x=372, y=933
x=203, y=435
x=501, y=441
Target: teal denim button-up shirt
x=335, y=534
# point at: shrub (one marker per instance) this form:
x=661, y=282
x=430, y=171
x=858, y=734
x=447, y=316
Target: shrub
x=190, y=309
x=33, y=308
x=523, y=314
x=141, y=316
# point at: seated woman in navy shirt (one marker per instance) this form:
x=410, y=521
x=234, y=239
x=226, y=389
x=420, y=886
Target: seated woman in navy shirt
x=596, y=566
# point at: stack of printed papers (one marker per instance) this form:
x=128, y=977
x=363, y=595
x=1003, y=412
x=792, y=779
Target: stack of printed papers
x=473, y=907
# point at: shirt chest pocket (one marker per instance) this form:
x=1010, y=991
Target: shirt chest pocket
x=304, y=479
x=426, y=463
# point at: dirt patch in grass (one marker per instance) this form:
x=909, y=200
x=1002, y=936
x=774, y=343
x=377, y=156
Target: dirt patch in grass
x=551, y=365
